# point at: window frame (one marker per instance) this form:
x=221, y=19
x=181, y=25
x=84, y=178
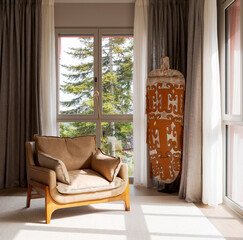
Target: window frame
x=97, y=32
x=69, y=32
x=227, y=116
x=229, y=119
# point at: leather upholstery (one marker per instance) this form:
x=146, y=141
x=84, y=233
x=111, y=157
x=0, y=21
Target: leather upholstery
x=57, y=165
x=30, y=154
x=107, y=166
x=48, y=177
x=76, y=153
x=87, y=180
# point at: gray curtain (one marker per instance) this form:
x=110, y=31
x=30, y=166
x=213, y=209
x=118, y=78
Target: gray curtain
x=20, y=42
x=167, y=36
x=167, y=33
x=190, y=187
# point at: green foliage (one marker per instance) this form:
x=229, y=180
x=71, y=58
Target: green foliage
x=117, y=67
x=75, y=129
x=79, y=80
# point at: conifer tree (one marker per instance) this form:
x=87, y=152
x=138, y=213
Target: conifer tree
x=117, y=66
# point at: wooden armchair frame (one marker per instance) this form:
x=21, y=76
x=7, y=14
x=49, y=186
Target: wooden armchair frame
x=51, y=205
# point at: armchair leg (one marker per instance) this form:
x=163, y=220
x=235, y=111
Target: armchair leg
x=28, y=196
x=127, y=198
x=48, y=215
x=127, y=205
x=50, y=208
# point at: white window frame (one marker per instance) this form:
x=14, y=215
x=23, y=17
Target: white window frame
x=228, y=119
x=97, y=32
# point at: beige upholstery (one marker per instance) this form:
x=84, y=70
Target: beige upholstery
x=76, y=153
x=45, y=183
x=55, y=164
x=48, y=177
x=107, y=166
x=87, y=180
x=30, y=154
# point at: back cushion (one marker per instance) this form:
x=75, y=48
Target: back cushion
x=76, y=153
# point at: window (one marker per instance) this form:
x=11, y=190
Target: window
x=97, y=60
x=235, y=163
x=232, y=113
x=233, y=79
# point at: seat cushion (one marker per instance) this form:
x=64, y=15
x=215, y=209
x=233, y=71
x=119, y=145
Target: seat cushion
x=55, y=164
x=76, y=153
x=106, y=165
x=87, y=180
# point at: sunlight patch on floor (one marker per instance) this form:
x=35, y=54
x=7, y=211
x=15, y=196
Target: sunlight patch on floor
x=29, y=234
x=110, y=206
x=167, y=209
x=96, y=221
x=173, y=222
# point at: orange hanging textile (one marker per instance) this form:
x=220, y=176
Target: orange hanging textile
x=165, y=110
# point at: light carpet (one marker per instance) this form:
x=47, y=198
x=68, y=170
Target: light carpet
x=151, y=217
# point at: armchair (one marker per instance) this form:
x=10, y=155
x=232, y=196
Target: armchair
x=87, y=186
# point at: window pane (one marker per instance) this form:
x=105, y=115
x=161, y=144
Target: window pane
x=117, y=68
x=235, y=164
x=233, y=58
x=76, y=67
x=75, y=129
x=118, y=141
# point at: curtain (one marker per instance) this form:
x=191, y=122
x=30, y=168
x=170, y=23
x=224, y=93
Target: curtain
x=167, y=36
x=191, y=177
x=168, y=20
x=20, y=61
x=212, y=130
x=48, y=71
x=139, y=92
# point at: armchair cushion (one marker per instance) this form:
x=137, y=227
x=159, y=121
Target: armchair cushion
x=76, y=153
x=87, y=181
x=106, y=165
x=55, y=164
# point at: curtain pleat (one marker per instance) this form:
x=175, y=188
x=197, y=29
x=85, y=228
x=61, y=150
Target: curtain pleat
x=48, y=73
x=20, y=41
x=212, y=193
x=191, y=178
x=167, y=33
x=139, y=92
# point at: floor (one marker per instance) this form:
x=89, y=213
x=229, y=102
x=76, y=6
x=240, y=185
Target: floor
x=227, y=222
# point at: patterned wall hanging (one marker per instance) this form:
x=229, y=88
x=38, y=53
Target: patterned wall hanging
x=165, y=110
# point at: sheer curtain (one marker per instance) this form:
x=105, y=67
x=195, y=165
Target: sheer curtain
x=139, y=92
x=48, y=69
x=212, y=131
